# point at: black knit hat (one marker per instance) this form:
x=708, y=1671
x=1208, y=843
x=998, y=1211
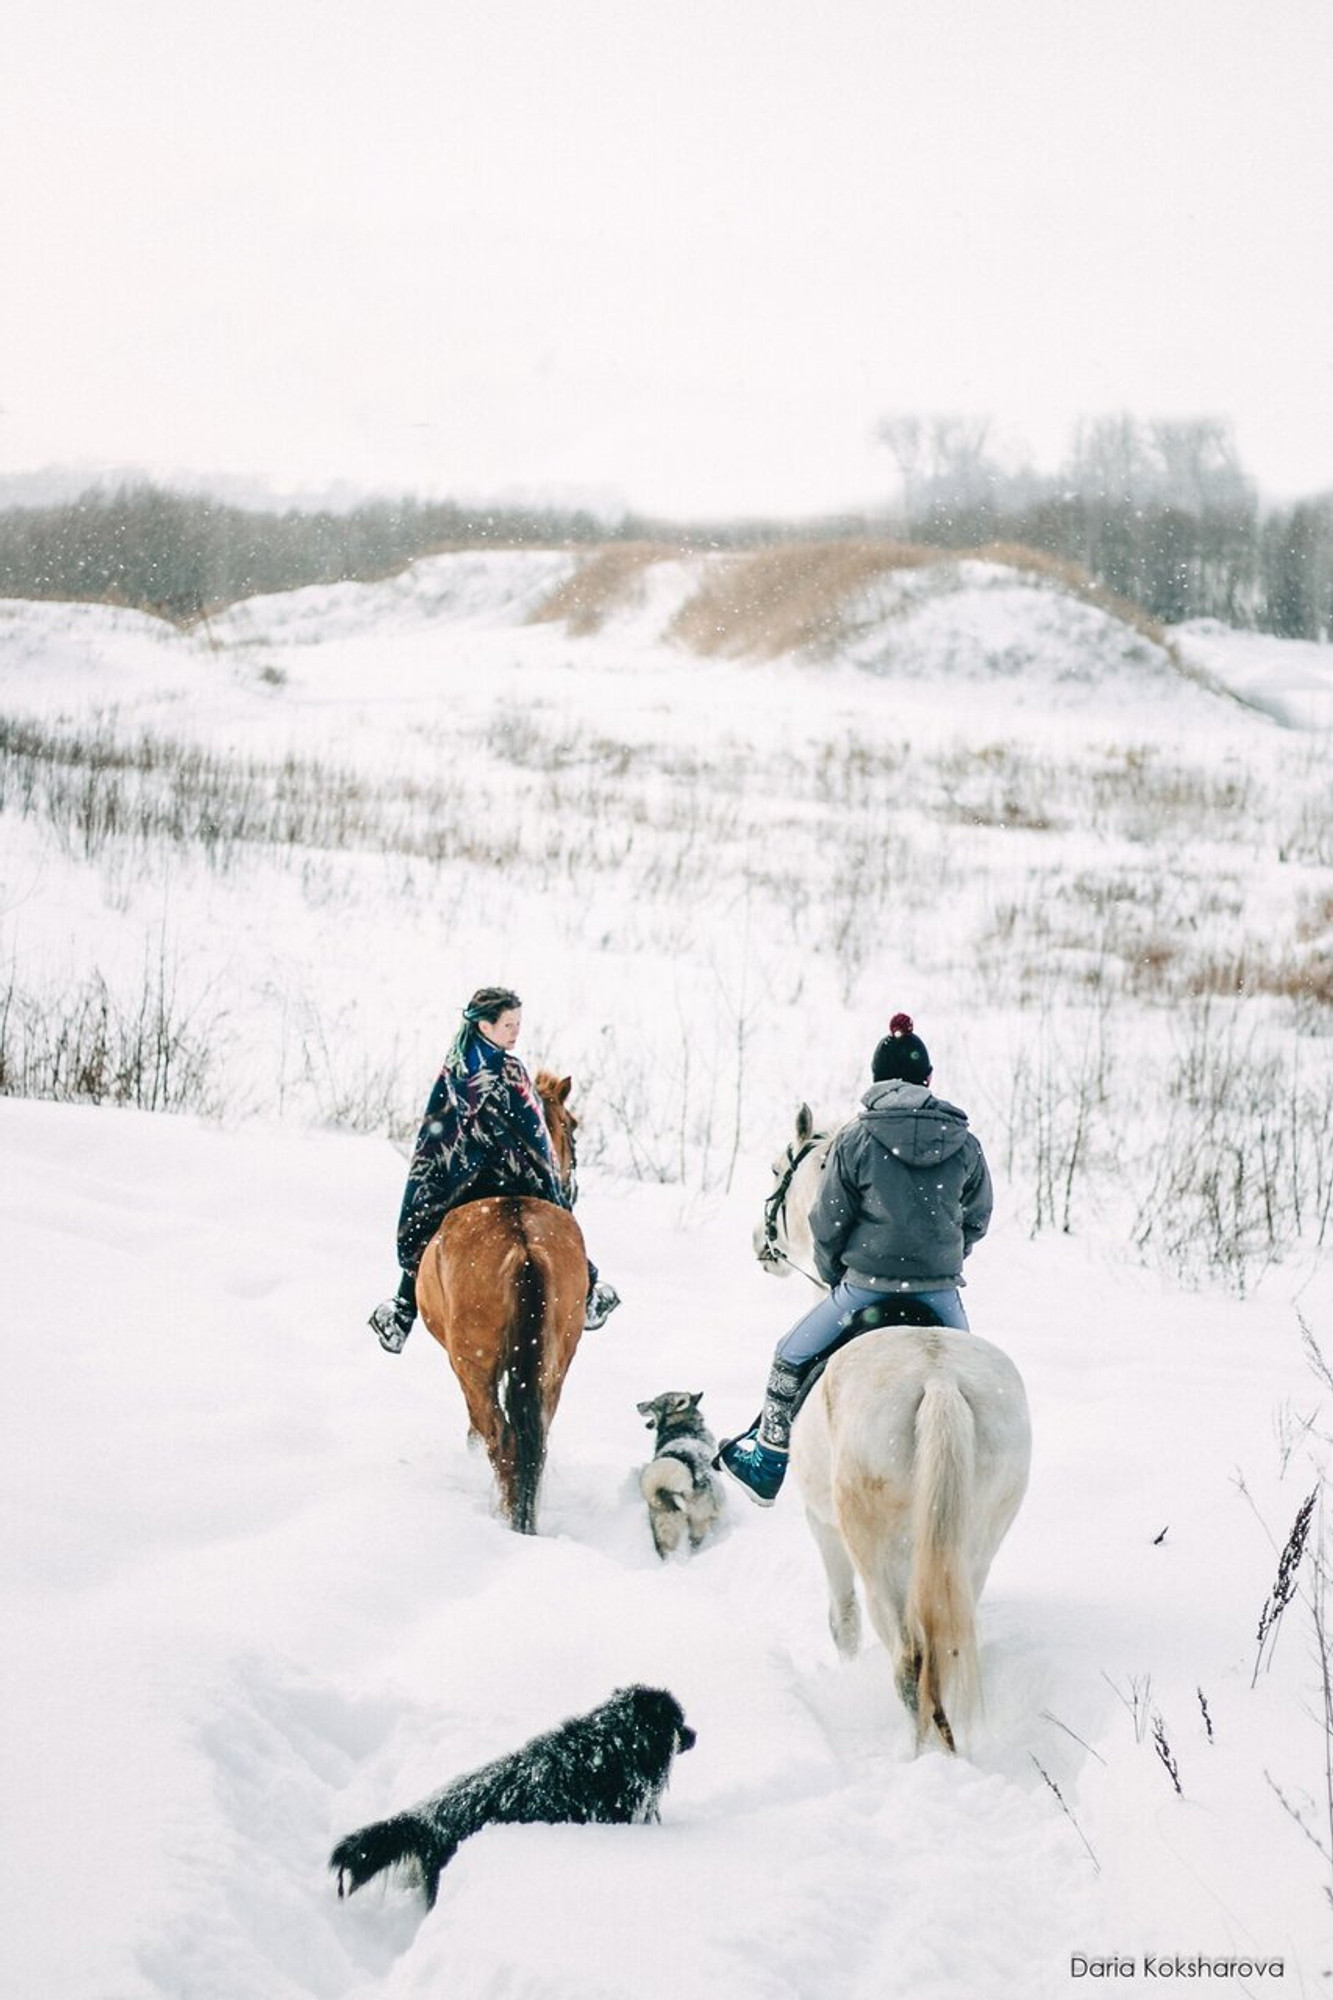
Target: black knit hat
x=901, y=1057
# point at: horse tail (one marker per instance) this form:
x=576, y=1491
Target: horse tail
x=940, y=1611
x=520, y=1385
x=408, y=1841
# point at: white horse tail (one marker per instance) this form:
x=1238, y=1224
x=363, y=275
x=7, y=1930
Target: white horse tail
x=941, y=1609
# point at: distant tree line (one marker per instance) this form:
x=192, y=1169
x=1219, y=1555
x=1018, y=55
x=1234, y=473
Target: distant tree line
x=184, y=554
x=1159, y=513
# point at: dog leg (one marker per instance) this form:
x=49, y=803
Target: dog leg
x=667, y=1524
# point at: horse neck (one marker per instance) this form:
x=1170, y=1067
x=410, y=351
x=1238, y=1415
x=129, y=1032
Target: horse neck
x=557, y=1128
x=560, y=1150
x=804, y=1187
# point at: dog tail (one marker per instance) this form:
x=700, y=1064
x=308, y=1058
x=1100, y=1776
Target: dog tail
x=407, y=1841
x=667, y=1483
x=521, y=1388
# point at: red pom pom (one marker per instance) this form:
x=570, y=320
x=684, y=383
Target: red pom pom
x=901, y=1024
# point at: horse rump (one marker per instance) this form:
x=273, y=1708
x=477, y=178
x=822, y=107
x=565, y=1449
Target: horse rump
x=610, y=1766
x=502, y=1288
x=912, y=1458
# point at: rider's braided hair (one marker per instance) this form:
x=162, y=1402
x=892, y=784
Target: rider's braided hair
x=487, y=1004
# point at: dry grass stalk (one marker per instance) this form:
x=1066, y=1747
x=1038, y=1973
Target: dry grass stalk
x=1284, y=1587
x=1163, y=1749
x=1060, y=1797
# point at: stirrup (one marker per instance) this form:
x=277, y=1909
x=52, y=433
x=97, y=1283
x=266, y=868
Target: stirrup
x=391, y=1330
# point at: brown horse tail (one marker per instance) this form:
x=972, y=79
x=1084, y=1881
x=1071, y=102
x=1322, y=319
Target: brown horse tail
x=520, y=1384
x=940, y=1612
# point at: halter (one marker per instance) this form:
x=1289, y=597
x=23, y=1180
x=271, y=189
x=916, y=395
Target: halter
x=775, y=1208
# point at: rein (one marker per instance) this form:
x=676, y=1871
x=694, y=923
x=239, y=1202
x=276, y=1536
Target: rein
x=775, y=1208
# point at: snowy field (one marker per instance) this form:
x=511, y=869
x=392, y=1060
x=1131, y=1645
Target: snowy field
x=254, y=1592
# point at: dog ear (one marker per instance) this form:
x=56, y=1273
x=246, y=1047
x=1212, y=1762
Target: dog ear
x=805, y=1123
x=696, y=1397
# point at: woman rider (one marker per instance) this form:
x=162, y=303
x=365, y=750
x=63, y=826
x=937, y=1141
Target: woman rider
x=905, y=1194
x=483, y=1133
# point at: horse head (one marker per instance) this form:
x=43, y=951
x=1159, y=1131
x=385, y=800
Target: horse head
x=561, y=1123
x=782, y=1240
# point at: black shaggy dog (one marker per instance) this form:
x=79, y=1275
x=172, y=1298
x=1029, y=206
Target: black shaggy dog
x=611, y=1765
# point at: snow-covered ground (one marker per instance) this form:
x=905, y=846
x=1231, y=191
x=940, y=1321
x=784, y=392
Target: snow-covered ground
x=254, y=1593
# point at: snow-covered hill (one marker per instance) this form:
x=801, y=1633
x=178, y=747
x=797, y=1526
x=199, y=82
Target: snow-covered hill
x=254, y=1593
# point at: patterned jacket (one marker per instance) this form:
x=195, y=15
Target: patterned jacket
x=483, y=1133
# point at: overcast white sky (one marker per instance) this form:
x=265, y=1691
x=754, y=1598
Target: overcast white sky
x=679, y=255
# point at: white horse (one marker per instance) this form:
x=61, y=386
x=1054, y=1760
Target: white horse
x=912, y=1454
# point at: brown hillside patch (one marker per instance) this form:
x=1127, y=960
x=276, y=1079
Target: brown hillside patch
x=608, y=580
x=793, y=597
x=796, y=597
x=788, y=598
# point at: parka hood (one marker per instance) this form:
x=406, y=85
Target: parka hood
x=917, y=1128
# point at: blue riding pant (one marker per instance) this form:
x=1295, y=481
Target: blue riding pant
x=824, y=1322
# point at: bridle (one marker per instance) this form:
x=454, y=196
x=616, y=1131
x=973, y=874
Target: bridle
x=775, y=1208
x=570, y=1180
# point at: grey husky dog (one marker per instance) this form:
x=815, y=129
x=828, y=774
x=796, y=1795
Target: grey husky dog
x=684, y=1494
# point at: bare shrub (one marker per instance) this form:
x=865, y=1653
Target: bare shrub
x=99, y=792
x=352, y=1093
x=1059, y=1091
x=88, y=1046
x=1244, y=1167
x=1307, y=981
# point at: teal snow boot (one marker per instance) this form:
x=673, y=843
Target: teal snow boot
x=755, y=1466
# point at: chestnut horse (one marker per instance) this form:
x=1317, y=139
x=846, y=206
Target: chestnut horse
x=502, y=1286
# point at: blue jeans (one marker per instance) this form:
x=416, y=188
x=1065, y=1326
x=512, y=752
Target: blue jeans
x=822, y=1325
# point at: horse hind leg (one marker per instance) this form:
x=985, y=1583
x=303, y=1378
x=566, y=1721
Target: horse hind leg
x=907, y=1680
x=916, y=1678
x=844, y=1612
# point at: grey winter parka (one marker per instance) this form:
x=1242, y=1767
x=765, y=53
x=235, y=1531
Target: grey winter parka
x=905, y=1194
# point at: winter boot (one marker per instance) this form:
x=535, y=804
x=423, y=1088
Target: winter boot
x=602, y=1302
x=754, y=1466
x=757, y=1460
x=392, y=1325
